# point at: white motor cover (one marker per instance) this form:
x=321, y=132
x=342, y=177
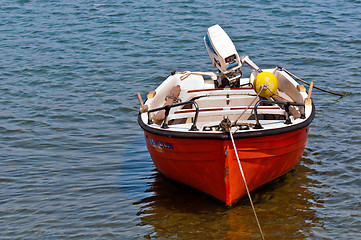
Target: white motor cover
x=221, y=49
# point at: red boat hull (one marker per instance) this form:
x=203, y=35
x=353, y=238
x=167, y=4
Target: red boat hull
x=210, y=165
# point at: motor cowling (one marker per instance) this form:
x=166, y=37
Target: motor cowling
x=221, y=50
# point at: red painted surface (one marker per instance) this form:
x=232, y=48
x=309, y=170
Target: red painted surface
x=205, y=164
x=218, y=89
x=221, y=109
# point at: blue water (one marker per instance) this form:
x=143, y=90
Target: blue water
x=73, y=161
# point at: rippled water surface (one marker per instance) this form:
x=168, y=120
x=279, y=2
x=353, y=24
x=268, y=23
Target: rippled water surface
x=73, y=161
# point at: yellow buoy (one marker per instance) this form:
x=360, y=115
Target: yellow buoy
x=265, y=78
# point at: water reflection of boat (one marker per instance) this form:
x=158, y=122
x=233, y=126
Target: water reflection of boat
x=285, y=207
x=189, y=122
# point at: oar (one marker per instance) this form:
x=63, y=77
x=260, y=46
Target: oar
x=143, y=108
x=308, y=99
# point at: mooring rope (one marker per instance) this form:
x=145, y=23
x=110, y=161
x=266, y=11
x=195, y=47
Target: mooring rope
x=297, y=78
x=263, y=87
x=245, y=184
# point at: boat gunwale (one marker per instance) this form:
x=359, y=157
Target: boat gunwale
x=225, y=135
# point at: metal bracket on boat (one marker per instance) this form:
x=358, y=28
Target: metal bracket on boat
x=167, y=110
x=286, y=104
x=225, y=124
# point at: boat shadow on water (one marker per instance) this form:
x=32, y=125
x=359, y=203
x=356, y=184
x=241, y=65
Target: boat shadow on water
x=285, y=207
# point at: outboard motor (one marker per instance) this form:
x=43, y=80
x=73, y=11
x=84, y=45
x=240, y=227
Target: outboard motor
x=224, y=56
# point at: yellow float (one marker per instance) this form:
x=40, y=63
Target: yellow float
x=267, y=79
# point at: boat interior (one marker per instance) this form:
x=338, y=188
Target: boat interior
x=192, y=101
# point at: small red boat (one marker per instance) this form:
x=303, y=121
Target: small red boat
x=194, y=123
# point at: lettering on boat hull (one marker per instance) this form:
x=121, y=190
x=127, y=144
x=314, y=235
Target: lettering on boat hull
x=159, y=145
